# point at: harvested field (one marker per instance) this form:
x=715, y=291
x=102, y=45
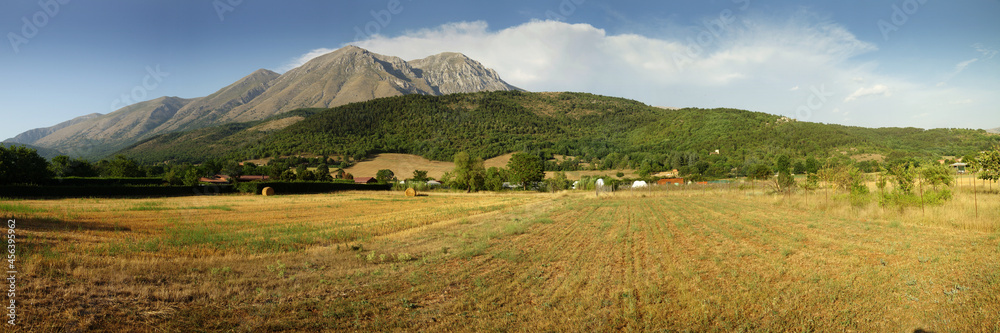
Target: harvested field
x=636, y=261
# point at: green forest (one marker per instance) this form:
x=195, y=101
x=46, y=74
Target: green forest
x=599, y=132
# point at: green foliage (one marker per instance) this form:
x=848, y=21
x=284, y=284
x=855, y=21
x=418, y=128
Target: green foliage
x=785, y=181
x=559, y=182
x=323, y=173
x=904, y=176
x=420, y=175
x=468, y=174
x=495, y=177
x=525, y=169
x=783, y=164
x=847, y=178
x=21, y=165
x=937, y=175
x=385, y=176
x=987, y=163
x=120, y=167
x=860, y=195
x=600, y=132
x=64, y=166
x=759, y=172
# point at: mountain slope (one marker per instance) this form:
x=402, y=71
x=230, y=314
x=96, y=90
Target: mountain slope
x=452, y=72
x=105, y=134
x=353, y=74
x=574, y=124
x=348, y=75
x=34, y=135
x=210, y=109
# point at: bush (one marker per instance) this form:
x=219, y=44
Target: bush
x=860, y=196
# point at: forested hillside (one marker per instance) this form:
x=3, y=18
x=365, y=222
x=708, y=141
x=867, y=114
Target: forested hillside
x=602, y=131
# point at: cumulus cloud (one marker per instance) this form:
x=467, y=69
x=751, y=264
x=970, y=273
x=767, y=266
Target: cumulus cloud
x=750, y=64
x=876, y=90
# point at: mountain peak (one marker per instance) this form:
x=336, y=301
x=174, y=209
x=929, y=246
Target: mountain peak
x=452, y=72
x=347, y=75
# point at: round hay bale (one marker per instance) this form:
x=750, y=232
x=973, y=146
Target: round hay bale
x=410, y=192
x=267, y=192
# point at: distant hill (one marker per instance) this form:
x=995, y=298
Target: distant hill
x=34, y=135
x=572, y=124
x=348, y=75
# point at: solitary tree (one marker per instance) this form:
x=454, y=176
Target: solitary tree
x=988, y=164
x=323, y=173
x=385, y=176
x=525, y=168
x=469, y=173
x=420, y=175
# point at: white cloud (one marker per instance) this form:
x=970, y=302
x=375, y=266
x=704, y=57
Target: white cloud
x=876, y=90
x=304, y=59
x=749, y=66
x=959, y=68
x=988, y=53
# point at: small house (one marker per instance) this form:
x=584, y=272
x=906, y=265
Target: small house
x=669, y=181
x=365, y=180
x=959, y=167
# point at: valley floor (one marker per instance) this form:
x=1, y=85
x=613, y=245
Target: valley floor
x=713, y=260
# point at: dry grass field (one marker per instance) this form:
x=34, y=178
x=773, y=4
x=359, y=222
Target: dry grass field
x=678, y=260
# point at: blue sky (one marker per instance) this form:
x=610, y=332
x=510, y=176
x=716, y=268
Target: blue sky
x=927, y=63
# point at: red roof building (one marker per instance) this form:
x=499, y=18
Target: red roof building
x=365, y=180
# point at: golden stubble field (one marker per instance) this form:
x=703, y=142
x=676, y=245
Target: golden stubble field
x=702, y=260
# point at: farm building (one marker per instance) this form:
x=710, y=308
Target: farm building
x=959, y=167
x=668, y=181
x=365, y=180
x=433, y=183
x=639, y=183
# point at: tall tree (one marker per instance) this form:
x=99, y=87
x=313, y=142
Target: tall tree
x=525, y=168
x=385, y=176
x=469, y=173
x=420, y=175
